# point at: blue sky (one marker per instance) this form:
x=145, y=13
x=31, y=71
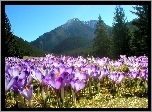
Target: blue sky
x=31, y=21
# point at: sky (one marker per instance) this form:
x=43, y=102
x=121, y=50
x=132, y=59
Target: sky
x=31, y=21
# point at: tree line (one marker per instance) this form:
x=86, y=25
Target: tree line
x=123, y=40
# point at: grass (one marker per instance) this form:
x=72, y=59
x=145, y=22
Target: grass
x=98, y=101
x=103, y=99
x=28, y=57
x=106, y=101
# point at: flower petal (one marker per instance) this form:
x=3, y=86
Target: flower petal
x=11, y=83
x=15, y=72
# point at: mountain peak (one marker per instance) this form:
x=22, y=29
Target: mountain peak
x=75, y=19
x=91, y=23
x=72, y=20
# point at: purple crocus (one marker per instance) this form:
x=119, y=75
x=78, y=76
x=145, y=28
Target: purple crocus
x=7, y=66
x=77, y=84
x=21, y=82
x=117, y=77
x=103, y=73
x=123, y=56
x=90, y=69
x=24, y=74
x=27, y=92
x=56, y=84
x=13, y=71
x=144, y=74
x=133, y=74
x=120, y=78
x=81, y=75
x=37, y=75
x=70, y=69
x=9, y=83
x=58, y=78
x=113, y=76
x=96, y=74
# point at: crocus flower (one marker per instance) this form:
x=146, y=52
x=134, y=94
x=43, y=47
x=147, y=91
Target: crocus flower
x=120, y=78
x=123, y=56
x=134, y=74
x=10, y=83
x=23, y=74
x=113, y=76
x=13, y=71
x=7, y=66
x=90, y=69
x=27, y=92
x=21, y=82
x=96, y=74
x=58, y=78
x=103, y=73
x=56, y=84
x=144, y=74
x=37, y=75
x=70, y=69
x=81, y=75
x=77, y=85
x=79, y=63
x=29, y=79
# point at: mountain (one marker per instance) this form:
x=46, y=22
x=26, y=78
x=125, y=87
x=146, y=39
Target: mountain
x=26, y=49
x=72, y=28
x=71, y=43
x=91, y=23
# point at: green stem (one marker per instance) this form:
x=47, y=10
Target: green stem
x=59, y=102
x=62, y=95
x=98, y=87
x=12, y=93
x=90, y=91
x=68, y=101
x=38, y=91
x=30, y=103
x=113, y=90
x=22, y=100
x=74, y=97
x=59, y=98
x=47, y=90
x=44, y=96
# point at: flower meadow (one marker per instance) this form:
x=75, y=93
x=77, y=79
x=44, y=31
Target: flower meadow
x=70, y=82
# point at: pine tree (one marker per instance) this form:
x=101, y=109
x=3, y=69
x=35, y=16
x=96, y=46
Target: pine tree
x=121, y=33
x=101, y=40
x=11, y=47
x=140, y=40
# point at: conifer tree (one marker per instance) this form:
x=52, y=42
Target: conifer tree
x=101, y=41
x=11, y=47
x=140, y=40
x=121, y=33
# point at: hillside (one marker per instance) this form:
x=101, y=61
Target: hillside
x=72, y=43
x=26, y=49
